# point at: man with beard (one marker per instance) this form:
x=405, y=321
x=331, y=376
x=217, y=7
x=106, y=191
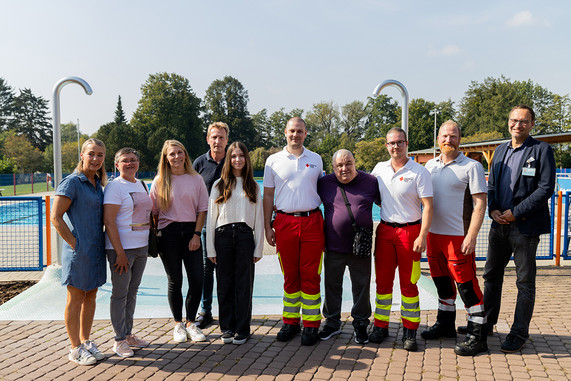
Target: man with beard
x=459, y=185
x=297, y=233
x=406, y=213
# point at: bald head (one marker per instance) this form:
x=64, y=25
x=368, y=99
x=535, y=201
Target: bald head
x=344, y=166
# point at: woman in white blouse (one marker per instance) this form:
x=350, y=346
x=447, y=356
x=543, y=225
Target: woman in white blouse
x=234, y=241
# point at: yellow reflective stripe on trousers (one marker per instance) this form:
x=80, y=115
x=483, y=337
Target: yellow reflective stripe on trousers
x=292, y=303
x=410, y=308
x=320, y=264
x=383, y=303
x=310, y=307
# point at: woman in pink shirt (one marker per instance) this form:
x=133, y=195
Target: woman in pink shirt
x=180, y=200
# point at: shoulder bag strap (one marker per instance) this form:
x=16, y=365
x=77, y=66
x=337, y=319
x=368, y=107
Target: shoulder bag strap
x=353, y=222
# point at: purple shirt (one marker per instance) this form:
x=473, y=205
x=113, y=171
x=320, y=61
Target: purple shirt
x=361, y=192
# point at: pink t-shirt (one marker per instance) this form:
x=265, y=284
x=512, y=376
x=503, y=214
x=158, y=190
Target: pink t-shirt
x=189, y=197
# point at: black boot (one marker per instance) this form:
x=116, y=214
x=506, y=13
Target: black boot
x=409, y=339
x=475, y=342
x=444, y=326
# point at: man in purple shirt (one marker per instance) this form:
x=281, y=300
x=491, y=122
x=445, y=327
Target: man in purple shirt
x=361, y=190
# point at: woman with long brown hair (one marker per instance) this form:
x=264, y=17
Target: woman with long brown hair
x=235, y=240
x=180, y=201
x=77, y=216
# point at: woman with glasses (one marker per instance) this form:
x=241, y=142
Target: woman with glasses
x=126, y=214
x=180, y=200
x=234, y=239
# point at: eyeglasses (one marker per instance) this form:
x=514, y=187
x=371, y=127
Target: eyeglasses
x=398, y=143
x=523, y=122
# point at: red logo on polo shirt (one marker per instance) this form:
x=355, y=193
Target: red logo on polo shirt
x=401, y=178
x=308, y=165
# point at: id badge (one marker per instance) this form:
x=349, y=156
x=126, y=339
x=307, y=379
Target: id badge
x=528, y=171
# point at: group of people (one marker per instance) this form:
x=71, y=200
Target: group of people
x=211, y=219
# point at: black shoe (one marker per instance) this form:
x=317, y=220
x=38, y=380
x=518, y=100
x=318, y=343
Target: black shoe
x=288, y=331
x=471, y=346
x=227, y=337
x=409, y=339
x=361, y=336
x=310, y=335
x=240, y=339
x=463, y=330
x=437, y=331
x=203, y=320
x=328, y=332
x=513, y=343
x=378, y=334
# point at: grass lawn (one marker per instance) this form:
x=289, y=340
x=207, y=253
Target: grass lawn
x=24, y=189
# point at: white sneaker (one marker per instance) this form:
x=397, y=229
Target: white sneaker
x=179, y=333
x=194, y=333
x=81, y=356
x=134, y=341
x=122, y=349
x=92, y=348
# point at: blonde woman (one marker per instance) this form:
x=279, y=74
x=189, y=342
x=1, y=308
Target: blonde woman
x=180, y=200
x=235, y=239
x=77, y=216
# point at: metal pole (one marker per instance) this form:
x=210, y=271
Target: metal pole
x=78, y=148
x=404, y=93
x=57, y=136
x=435, y=112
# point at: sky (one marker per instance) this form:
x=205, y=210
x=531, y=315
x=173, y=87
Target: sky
x=288, y=54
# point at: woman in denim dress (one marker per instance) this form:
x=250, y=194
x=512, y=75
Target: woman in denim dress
x=77, y=216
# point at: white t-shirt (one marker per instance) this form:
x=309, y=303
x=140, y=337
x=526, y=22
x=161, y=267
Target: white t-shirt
x=134, y=212
x=238, y=208
x=454, y=184
x=294, y=179
x=402, y=190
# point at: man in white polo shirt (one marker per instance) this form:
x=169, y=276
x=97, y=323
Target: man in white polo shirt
x=406, y=214
x=459, y=206
x=291, y=176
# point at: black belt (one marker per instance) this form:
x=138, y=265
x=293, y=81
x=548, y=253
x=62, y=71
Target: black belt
x=300, y=214
x=395, y=225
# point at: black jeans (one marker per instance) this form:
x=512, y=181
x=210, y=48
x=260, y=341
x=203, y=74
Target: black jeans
x=360, y=273
x=174, y=253
x=208, y=285
x=234, y=244
x=503, y=241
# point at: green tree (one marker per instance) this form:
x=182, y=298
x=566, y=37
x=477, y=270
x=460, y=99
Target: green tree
x=263, y=128
x=353, y=119
x=119, y=113
x=168, y=109
x=383, y=113
x=482, y=137
x=226, y=100
x=277, y=124
x=69, y=156
x=322, y=122
x=369, y=153
x=556, y=117
x=69, y=133
x=258, y=158
x=8, y=166
x=6, y=104
x=31, y=118
x=19, y=149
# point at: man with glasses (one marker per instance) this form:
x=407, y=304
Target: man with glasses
x=406, y=214
x=521, y=181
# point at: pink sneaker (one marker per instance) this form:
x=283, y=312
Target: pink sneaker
x=134, y=341
x=122, y=349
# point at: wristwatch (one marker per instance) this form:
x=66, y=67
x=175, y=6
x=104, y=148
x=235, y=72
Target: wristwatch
x=198, y=233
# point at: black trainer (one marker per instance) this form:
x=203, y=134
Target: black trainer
x=203, y=320
x=409, y=339
x=361, y=336
x=378, y=334
x=513, y=343
x=471, y=346
x=310, y=336
x=328, y=332
x=437, y=331
x=288, y=331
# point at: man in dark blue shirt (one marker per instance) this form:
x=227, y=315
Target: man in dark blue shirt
x=521, y=181
x=209, y=165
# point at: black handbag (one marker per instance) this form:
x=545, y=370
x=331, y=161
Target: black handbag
x=153, y=247
x=363, y=241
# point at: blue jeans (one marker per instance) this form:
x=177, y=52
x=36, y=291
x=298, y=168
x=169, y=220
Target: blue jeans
x=208, y=284
x=503, y=241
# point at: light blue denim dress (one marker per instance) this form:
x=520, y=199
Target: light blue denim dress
x=84, y=267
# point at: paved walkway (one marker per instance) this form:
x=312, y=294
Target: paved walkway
x=37, y=350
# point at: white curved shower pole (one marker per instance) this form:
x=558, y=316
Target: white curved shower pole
x=404, y=93
x=57, y=136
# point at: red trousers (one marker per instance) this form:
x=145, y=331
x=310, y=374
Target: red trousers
x=449, y=266
x=393, y=248
x=300, y=242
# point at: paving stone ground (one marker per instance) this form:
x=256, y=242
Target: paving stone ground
x=37, y=350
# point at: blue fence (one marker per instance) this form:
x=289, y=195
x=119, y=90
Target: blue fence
x=21, y=233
